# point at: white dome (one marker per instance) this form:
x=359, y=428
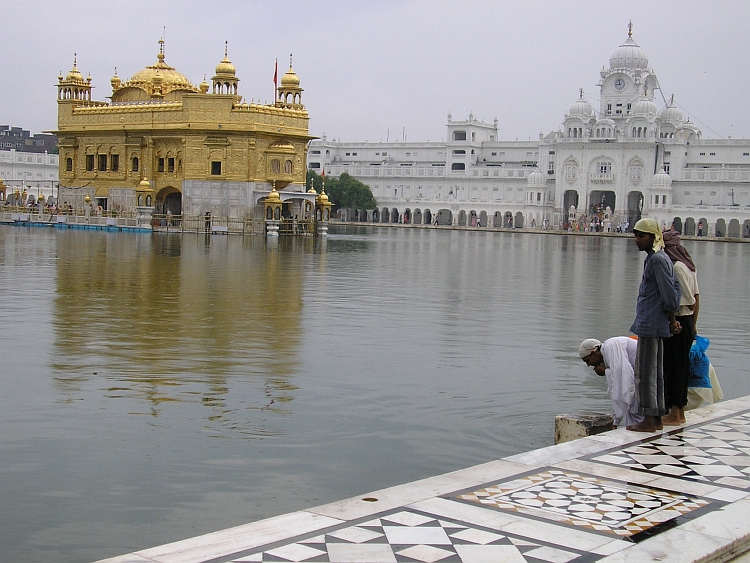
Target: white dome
x=661, y=181
x=536, y=180
x=581, y=108
x=628, y=56
x=671, y=114
x=645, y=108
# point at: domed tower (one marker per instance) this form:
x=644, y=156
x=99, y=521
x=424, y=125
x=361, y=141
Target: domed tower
x=579, y=118
x=642, y=123
x=73, y=86
x=660, y=196
x=671, y=120
x=225, y=81
x=289, y=93
x=157, y=81
x=628, y=78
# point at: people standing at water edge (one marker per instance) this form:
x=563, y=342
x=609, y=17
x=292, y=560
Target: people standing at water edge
x=677, y=348
x=615, y=359
x=655, y=318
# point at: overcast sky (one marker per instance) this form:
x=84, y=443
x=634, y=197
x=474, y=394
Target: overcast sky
x=390, y=69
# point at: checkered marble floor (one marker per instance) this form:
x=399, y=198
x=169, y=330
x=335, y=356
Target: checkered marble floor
x=717, y=453
x=589, y=502
x=408, y=535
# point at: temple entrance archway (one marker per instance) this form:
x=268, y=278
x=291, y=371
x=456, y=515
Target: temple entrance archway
x=599, y=200
x=169, y=199
x=635, y=207
x=570, y=199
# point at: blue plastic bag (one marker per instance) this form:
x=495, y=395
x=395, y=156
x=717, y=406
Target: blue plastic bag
x=699, y=363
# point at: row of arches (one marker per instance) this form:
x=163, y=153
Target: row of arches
x=463, y=218
x=720, y=228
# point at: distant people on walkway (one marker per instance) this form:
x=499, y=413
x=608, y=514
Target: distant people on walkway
x=700, y=228
x=677, y=347
x=656, y=318
x=615, y=359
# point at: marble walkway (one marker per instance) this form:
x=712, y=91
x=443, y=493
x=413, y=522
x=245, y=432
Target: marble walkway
x=681, y=495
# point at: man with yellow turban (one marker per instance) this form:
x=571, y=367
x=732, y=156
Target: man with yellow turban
x=655, y=318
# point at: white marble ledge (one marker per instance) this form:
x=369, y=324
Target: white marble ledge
x=129, y=558
x=614, y=473
x=514, y=523
x=233, y=540
x=732, y=522
x=675, y=546
x=408, y=493
x=562, y=452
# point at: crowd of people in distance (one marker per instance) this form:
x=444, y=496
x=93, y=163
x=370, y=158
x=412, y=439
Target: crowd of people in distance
x=648, y=374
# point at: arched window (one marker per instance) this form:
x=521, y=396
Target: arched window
x=68, y=164
x=458, y=166
x=287, y=167
x=135, y=164
x=275, y=166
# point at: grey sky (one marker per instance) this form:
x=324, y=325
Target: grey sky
x=392, y=68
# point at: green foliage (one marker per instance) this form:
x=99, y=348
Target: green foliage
x=313, y=179
x=348, y=193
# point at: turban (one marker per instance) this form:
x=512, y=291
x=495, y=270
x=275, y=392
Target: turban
x=651, y=227
x=587, y=346
x=675, y=250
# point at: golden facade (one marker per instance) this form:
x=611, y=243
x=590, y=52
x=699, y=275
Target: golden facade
x=161, y=141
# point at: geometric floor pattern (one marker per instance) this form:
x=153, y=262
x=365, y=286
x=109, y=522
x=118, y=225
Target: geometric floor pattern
x=586, y=501
x=717, y=453
x=409, y=536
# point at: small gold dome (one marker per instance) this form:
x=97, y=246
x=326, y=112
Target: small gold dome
x=273, y=196
x=290, y=78
x=144, y=185
x=74, y=75
x=311, y=190
x=204, y=86
x=87, y=199
x=225, y=66
x=322, y=198
x=115, y=81
x=41, y=197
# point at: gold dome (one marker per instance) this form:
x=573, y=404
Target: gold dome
x=162, y=74
x=322, y=198
x=311, y=190
x=204, y=86
x=115, y=81
x=225, y=66
x=144, y=185
x=290, y=78
x=273, y=196
x=74, y=75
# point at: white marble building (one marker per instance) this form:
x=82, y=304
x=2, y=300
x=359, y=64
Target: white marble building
x=626, y=155
x=37, y=173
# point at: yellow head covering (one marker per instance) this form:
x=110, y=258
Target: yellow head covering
x=652, y=227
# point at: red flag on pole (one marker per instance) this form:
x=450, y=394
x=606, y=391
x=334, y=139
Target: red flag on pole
x=275, y=78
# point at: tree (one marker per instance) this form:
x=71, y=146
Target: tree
x=344, y=191
x=349, y=193
x=314, y=180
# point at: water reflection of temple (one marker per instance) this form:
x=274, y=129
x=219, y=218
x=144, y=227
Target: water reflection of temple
x=170, y=319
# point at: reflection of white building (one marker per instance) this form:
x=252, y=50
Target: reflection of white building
x=626, y=155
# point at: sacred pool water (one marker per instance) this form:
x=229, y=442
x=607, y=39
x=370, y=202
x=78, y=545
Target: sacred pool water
x=157, y=387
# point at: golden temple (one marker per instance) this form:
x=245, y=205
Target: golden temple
x=164, y=143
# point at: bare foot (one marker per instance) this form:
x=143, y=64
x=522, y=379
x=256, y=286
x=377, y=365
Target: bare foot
x=645, y=426
x=669, y=420
x=682, y=416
